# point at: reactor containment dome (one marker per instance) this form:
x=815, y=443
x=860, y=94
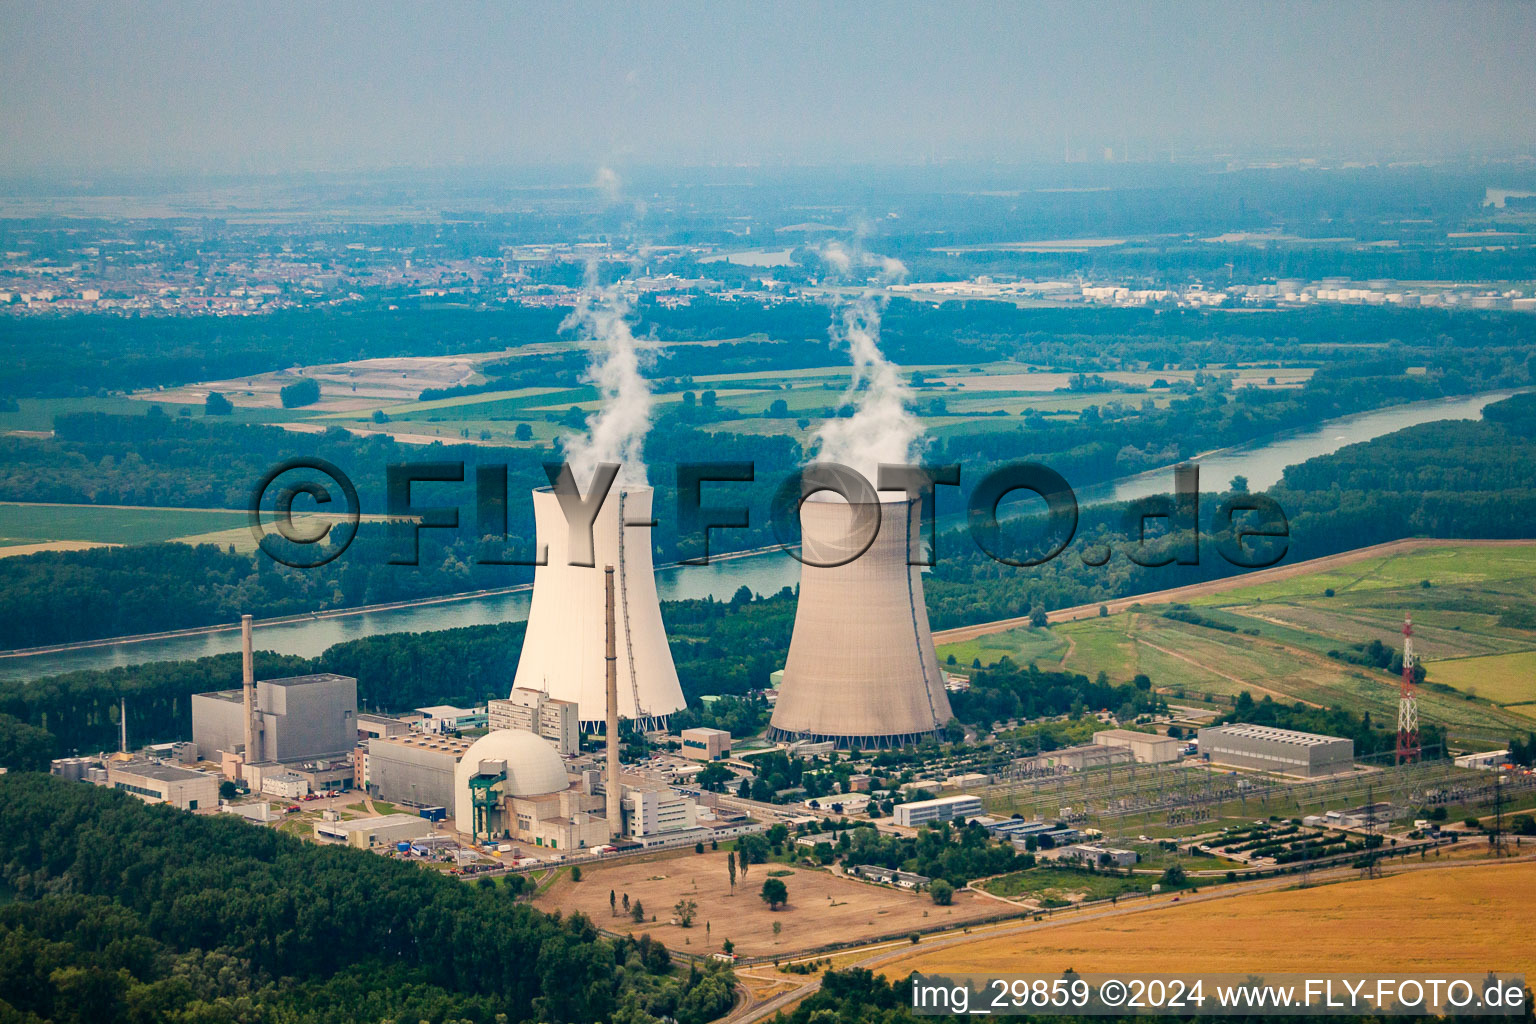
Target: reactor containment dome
x=862, y=671
x=563, y=648
x=507, y=762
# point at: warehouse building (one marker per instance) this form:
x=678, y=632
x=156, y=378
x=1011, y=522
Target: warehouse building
x=1276, y=750
x=368, y=833
x=535, y=711
x=1145, y=747
x=945, y=808
x=298, y=718
x=157, y=783
x=415, y=769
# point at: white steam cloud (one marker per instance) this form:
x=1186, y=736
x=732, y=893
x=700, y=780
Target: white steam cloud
x=883, y=427
x=616, y=431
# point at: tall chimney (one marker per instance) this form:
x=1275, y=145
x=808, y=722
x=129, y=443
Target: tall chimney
x=122, y=719
x=248, y=671
x=613, y=787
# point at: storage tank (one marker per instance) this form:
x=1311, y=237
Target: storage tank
x=862, y=671
x=564, y=644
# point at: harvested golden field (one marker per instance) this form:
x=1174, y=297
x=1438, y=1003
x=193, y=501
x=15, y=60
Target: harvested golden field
x=1466, y=918
x=823, y=908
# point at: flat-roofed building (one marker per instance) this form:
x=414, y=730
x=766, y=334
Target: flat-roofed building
x=945, y=808
x=379, y=726
x=703, y=744
x=535, y=711
x=1487, y=759
x=416, y=768
x=157, y=783
x=368, y=833
x=297, y=718
x=1100, y=856
x=1145, y=747
x=444, y=718
x=1085, y=756
x=650, y=812
x=1277, y=750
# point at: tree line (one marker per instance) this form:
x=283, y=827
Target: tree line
x=128, y=912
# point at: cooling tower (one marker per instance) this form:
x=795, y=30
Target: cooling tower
x=564, y=646
x=861, y=671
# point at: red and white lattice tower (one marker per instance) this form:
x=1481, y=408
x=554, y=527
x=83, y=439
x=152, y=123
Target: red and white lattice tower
x=1407, y=703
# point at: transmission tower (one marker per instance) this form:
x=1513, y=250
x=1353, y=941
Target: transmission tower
x=1407, y=703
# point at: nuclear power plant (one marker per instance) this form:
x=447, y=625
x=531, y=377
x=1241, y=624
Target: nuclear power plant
x=563, y=649
x=862, y=671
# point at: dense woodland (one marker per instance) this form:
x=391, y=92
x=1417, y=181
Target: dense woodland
x=123, y=912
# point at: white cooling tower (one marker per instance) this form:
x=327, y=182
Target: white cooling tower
x=563, y=649
x=862, y=671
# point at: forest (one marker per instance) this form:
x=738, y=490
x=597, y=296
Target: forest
x=113, y=919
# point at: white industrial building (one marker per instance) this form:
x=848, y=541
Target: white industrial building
x=945, y=808
x=535, y=711
x=1277, y=750
x=1484, y=761
x=511, y=783
x=368, y=833
x=650, y=812
x=861, y=671
x=563, y=648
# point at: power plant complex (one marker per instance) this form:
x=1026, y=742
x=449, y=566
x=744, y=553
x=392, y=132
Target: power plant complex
x=564, y=645
x=862, y=671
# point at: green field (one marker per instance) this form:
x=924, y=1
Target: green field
x=1502, y=678
x=1057, y=887
x=109, y=524
x=1469, y=632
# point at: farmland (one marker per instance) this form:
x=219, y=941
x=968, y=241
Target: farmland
x=1457, y=919
x=1290, y=639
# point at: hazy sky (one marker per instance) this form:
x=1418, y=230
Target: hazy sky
x=236, y=87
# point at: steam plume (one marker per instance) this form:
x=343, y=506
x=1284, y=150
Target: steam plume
x=616, y=431
x=882, y=427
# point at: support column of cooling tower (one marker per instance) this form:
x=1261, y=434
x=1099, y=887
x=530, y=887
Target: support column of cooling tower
x=248, y=675
x=611, y=656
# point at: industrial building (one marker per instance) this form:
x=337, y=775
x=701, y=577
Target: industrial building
x=379, y=726
x=1276, y=750
x=862, y=671
x=887, y=876
x=511, y=783
x=445, y=718
x=563, y=649
x=1084, y=756
x=158, y=783
x=368, y=833
x=1099, y=856
x=297, y=718
x=415, y=769
x=535, y=711
x=706, y=744
x=1484, y=761
x=945, y=808
x=1145, y=747
x=651, y=812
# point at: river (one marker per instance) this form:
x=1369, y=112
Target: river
x=1261, y=462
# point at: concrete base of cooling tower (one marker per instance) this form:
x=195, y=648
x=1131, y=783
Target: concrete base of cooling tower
x=911, y=739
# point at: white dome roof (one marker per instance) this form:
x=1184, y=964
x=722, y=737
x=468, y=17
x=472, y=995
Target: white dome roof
x=533, y=767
